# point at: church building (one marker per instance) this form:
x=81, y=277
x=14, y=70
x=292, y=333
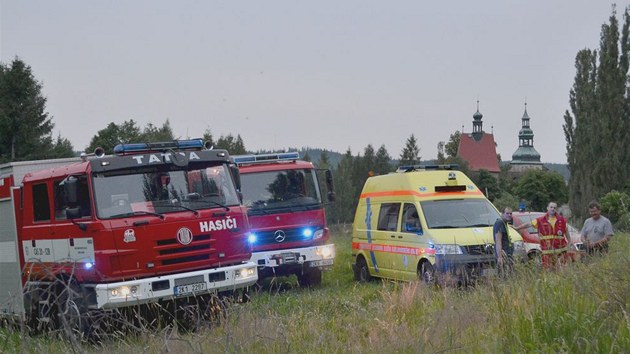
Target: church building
x=478, y=148
x=525, y=157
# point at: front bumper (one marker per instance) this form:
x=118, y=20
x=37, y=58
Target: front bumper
x=141, y=291
x=316, y=256
x=463, y=267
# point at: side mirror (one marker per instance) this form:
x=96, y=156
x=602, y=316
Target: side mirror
x=331, y=196
x=236, y=175
x=329, y=181
x=70, y=189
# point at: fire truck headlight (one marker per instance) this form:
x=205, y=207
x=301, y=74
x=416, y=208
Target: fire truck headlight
x=307, y=233
x=88, y=265
x=246, y=272
x=251, y=238
x=124, y=291
x=325, y=252
x=318, y=234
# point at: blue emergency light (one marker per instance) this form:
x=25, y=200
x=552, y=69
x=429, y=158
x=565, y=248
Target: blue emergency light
x=191, y=144
x=261, y=158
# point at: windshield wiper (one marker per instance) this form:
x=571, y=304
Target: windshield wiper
x=180, y=206
x=445, y=227
x=227, y=208
x=138, y=213
x=480, y=225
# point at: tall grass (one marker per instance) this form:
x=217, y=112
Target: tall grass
x=583, y=307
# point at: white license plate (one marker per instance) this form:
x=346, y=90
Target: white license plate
x=189, y=289
x=322, y=263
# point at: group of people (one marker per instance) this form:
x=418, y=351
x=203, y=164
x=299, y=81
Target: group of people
x=553, y=235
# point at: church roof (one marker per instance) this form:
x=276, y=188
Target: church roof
x=480, y=154
x=526, y=155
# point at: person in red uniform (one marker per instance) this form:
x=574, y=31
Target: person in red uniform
x=553, y=235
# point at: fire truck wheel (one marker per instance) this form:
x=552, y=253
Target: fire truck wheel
x=361, y=270
x=72, y=311
x=426, y=273
x=189, y=313
x=310, y=277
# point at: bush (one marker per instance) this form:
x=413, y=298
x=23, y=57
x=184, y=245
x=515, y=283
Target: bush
x=614, y=205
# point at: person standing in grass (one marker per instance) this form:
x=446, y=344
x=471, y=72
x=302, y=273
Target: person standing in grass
x=597, y=230
x=553, y=235
x=503, y=249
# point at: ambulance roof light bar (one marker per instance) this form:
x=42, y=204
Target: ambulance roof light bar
x=191, y=144
x=262, y=158
x=411, y=168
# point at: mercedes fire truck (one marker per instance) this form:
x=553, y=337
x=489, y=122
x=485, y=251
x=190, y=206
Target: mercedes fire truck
x=286, y=214
x=155, y=222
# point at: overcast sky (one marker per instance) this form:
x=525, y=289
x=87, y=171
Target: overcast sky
x=324, y=74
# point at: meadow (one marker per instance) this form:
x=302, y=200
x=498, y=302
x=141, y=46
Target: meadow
x=583, y=307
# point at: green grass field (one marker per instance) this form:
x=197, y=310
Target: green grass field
x=583, y=308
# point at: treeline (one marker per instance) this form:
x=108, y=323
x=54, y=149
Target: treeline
x=25, y=126
x=596, y=127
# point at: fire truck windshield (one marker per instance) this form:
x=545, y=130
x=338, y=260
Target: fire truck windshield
x=287, y=189
x=133, y=192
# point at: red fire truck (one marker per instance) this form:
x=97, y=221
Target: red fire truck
x=153, y=223
x=286, y=214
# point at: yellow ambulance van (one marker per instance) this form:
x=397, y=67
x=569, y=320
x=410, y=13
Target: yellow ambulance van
x=430, y=223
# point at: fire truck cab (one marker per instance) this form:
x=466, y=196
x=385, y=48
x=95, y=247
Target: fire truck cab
x=155, y=222
x=286, y=214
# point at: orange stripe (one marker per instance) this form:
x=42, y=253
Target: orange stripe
x=392, y=249
x=417, y=194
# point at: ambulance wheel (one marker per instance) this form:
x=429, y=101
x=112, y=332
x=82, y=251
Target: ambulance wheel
x=310, y=277
x=426, y=273
x=361, y=271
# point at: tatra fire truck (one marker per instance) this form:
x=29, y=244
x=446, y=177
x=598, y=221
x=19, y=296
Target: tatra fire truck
x=286, y=214
x=153, y=223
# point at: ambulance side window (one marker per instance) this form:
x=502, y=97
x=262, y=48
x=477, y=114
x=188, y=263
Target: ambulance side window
x=388, y=217
x=410, y=221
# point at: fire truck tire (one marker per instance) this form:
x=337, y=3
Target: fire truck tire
x=426, y=273
x=72, y=312
x=310, y=277
x=361, y=271
x=189, y=313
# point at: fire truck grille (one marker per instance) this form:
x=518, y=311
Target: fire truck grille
x=201, y=257
x=280, y=236
x=171, y=252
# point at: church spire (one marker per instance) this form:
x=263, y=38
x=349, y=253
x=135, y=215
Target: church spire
x=477, y=124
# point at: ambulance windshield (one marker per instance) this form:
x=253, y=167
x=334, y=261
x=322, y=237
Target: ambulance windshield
x=459, y=213
x=133, y=193
x=276, y=191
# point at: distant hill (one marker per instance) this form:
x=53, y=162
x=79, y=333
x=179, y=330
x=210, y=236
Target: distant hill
x=561, y=168
x=335, y=157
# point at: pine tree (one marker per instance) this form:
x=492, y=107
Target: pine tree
x=382, y=163
x=411, y=152
x=25, y=126
x=344, y=206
